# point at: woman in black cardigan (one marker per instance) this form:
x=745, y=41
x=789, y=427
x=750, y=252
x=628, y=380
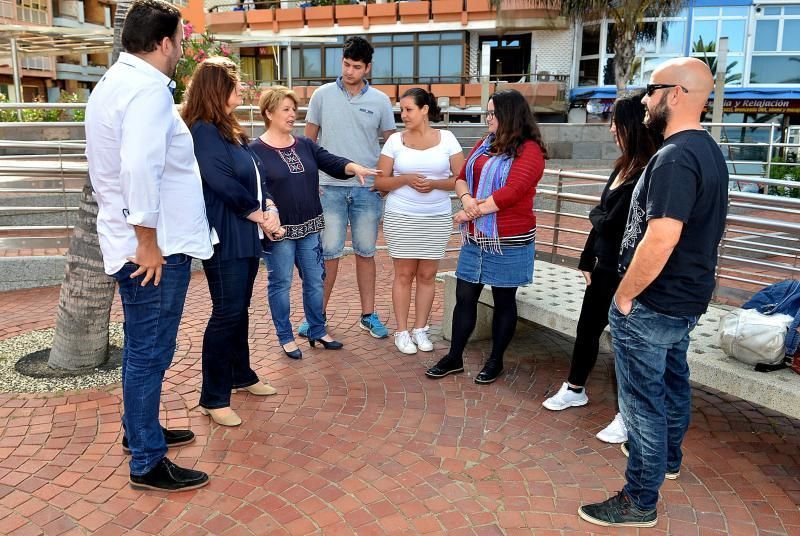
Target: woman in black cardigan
x=599, y=259
x=293, y=165
x=240, y=212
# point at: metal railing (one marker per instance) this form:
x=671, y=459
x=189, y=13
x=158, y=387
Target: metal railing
x=761, y=244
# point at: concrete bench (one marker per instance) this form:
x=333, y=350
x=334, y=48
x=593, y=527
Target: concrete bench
x=554, y=301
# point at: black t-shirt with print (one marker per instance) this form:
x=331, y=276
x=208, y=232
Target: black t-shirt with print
x=686, y=180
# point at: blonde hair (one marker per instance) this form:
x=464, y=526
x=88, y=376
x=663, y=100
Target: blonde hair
x=271, y=98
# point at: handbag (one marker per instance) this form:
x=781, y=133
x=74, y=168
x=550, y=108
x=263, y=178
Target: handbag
x=754, y=338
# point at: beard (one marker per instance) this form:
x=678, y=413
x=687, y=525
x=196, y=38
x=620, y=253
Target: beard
x=657, y=119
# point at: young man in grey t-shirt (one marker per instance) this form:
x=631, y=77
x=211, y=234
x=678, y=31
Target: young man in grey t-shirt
x=346, y=117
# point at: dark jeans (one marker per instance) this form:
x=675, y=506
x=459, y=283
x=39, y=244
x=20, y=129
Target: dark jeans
x=152, y=315
x=592, y=322
x=226, y=353
x=655, y=398
x=465, y=314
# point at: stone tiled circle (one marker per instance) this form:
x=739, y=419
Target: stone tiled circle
x=358, y=441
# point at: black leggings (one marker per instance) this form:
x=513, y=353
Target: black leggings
x=592, y=322
x=465, y=314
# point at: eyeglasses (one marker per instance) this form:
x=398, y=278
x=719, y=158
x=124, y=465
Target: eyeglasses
x=652, y=88
x=489, y=114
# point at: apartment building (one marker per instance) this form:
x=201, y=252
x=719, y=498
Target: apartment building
x=448, y=46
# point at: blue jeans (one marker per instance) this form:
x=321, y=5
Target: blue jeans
x=358, y=205
x=655, y=397
x=152, y=315
x=280, y=258
x=226, y=353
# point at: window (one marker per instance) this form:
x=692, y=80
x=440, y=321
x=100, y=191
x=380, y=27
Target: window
x=398, y=59
x=709, y=24
x=658, y=40
x=776, y=47
x=434, y=57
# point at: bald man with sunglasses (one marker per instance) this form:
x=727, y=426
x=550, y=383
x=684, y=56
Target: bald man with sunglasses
x=667, y=259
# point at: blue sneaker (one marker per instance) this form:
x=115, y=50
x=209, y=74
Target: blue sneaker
x=374, y=325
x=303, y=329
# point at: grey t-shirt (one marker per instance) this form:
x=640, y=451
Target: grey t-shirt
x=350, y=125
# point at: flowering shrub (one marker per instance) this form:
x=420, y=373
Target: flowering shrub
x=195, y=50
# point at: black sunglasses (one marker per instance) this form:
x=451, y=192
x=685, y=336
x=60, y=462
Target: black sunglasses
x=652, y=88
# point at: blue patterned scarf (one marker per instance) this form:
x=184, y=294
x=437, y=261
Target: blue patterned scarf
x=493, y=176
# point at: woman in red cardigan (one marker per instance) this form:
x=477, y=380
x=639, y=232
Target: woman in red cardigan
x=496, y=187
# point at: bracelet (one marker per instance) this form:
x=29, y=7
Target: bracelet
x=462, y=195
x=271, y=208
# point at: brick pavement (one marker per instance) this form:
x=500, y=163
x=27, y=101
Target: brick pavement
x=359, y=442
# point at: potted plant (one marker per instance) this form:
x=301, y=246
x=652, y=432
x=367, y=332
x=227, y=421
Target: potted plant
x=447, y=10
x=382, y=13
x=289, y=17
x=319, y=13
x=260, y=19
x=480, y=10
x=348, y=14
x=415, y=11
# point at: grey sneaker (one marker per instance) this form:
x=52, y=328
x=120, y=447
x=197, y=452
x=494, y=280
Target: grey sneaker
x=618, y=511
x=669, y=475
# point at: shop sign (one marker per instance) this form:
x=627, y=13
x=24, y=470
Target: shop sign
x=759, y=106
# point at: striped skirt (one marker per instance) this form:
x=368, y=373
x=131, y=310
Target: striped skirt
x=411, y=236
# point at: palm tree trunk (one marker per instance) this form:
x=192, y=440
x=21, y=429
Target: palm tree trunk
x=81, y=335
x=624, y=52
x=84, y=306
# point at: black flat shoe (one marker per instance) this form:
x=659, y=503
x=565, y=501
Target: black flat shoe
x=166, y=476
x=328, y=345
x=490, y=372
x=445, y=366
x=174, y=438
x=294, y=354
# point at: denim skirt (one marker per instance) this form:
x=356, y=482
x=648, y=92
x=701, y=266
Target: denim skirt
x=512, y=267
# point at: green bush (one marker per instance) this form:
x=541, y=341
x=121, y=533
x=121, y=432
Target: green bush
x=785, y=173
x=41, y=115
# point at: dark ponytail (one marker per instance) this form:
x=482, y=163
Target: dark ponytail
x=422, y=98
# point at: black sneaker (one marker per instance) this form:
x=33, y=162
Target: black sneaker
x=445, y=366
x=618, y=511
x=490, y=372
x=166, y=476
x=174, y=438
x=669, y=475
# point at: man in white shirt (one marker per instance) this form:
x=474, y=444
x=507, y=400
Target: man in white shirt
x=151, y=222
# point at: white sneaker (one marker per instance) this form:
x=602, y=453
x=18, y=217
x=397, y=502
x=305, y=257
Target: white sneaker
x=565, y=398
x=420, y=338
x=404, y=343
x=616, y=432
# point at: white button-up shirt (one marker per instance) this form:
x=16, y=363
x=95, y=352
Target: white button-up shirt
x=142, y=165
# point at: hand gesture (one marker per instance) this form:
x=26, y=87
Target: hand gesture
x=272, y=222
x=363, y=172
x=150, y=261
x=421, y=184
x=461, y=217
x=277, y=235
x=471, y=206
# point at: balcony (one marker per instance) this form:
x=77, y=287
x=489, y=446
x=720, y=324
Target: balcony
x=531, y=15
x=545, y=92
x=279, y=16
x=83, y=73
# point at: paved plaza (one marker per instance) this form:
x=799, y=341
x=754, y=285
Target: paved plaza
x=358, y=441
